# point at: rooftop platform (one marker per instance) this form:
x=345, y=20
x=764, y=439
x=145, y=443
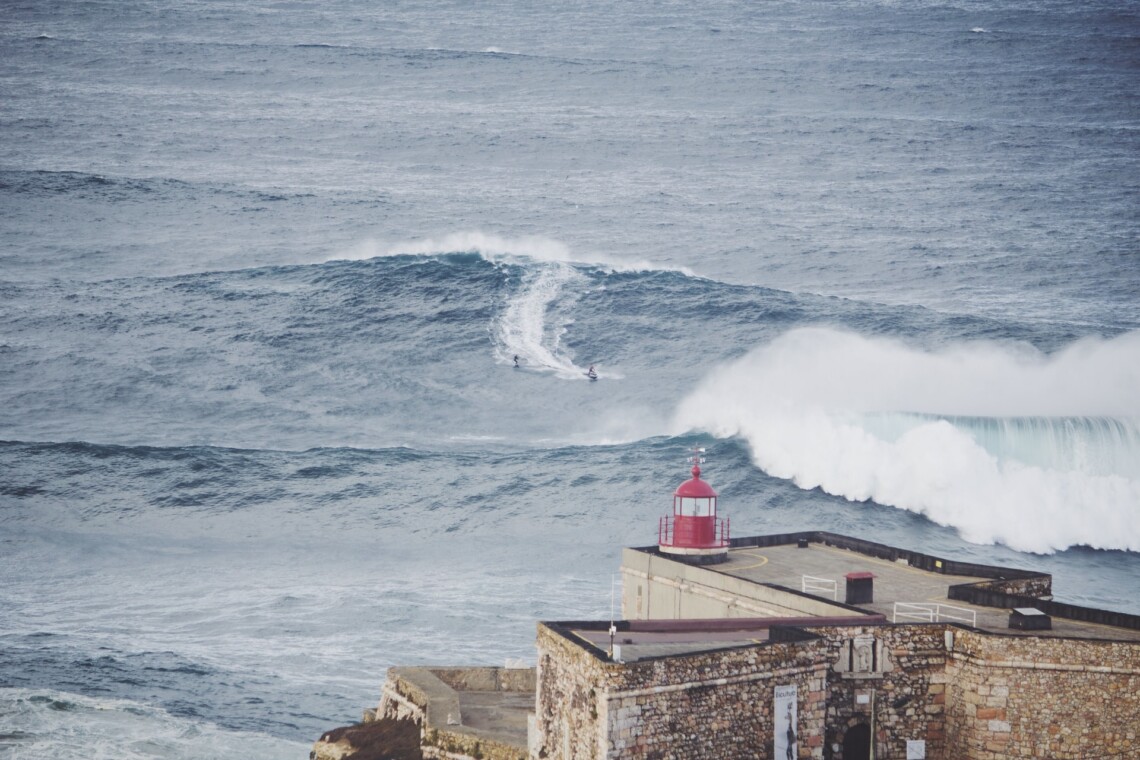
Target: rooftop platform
x=894, y=581
x=906, y=587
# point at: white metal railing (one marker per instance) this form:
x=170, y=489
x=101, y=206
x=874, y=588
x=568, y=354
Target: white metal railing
x=933, y=612
x=809, y=583
x=961, y=614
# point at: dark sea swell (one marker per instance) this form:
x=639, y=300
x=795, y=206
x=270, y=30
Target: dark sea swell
x=264, y=270
x=257, y=590
x=397, y=349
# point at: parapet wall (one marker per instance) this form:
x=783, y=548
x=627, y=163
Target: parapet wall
x=1033, y=583
x=487, y=679
x=431, y=698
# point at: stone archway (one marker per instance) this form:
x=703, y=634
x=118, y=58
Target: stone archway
x=857, y=742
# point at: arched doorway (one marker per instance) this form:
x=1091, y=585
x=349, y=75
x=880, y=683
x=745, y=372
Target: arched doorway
x=857, y=743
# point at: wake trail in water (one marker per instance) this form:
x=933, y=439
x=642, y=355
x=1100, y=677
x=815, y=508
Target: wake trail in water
x=528, y=326
x=522, y=330
x=1008, y=445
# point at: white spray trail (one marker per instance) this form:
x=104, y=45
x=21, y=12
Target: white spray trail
x=522, y=328
x=874, y=419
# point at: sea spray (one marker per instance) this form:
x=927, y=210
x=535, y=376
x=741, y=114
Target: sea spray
x=873, y=419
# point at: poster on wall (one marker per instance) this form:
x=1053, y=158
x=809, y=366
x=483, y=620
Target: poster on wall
x=787, y=744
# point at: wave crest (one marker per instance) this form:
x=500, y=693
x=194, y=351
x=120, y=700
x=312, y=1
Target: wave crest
x=1002, y=442
x=499, y=249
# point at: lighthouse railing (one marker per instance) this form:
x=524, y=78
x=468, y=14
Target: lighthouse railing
x=667, y=534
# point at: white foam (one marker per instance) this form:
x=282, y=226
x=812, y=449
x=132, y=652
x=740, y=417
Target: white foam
x=522, y=327
x=47, y=725
x=811, y=405
x=496, y=248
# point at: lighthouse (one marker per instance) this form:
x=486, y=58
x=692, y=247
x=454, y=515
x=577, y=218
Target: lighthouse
x=693, y=533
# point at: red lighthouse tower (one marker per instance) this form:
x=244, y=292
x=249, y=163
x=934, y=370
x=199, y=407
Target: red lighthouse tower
x=693, y=532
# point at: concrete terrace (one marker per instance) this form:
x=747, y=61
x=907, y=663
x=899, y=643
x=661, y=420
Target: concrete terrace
x=894, y=581
x=899, y=580
x=470, y=707
x=899, y=576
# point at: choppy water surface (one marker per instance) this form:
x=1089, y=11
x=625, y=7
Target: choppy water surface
x=264, y=268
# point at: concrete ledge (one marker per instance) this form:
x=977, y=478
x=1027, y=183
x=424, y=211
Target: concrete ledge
x=445, y=702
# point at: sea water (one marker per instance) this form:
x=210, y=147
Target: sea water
x=265, y=267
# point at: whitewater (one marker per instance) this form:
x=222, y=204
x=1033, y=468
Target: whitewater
x=264, y=270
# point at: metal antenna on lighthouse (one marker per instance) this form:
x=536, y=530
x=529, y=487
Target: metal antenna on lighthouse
x=697, y=457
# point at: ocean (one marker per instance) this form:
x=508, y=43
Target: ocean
x=265, y=267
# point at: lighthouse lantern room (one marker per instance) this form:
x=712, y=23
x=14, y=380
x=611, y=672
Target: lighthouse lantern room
x=694, y=533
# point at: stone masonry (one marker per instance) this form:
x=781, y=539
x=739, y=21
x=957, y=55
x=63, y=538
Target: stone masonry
x=958, y=692
x=1033, y=697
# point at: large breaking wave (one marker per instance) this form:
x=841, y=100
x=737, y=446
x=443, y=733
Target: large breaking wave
x=1004, y=443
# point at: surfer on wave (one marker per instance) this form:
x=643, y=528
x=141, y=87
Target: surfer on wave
x=591, y=373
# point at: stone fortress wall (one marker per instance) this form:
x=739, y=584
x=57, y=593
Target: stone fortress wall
x=1028, y=696
x=961, y=693
x=712, y=705
x=936, y=690
x=708, y=665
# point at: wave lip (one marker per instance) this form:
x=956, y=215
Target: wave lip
x=1060, y=467
x=499, y=249
x=551, y=281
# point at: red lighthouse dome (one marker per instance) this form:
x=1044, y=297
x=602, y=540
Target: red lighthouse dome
x=693, y=531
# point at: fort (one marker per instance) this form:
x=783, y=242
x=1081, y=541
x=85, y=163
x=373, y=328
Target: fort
x=788, y=647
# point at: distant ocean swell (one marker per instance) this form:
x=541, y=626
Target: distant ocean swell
x=264, y=271
x=998, y=439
